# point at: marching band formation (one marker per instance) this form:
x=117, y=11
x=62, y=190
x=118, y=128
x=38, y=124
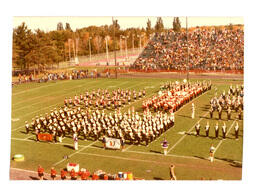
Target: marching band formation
x=175, y=95
x=77, y=122
x=102, y=99
x=233, y=100
x=84, y=116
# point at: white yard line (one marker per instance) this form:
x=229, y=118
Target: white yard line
x=62, y=143
x=118, y=157
x=74, y=87
x=39, y=111
x=127, y=148
x=186, y=134
x=223, y=140
x=80, y=86
x=75, y=153
x=51, y=93
x=128, y=151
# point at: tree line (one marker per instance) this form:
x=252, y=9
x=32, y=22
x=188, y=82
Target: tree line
x=39, y=49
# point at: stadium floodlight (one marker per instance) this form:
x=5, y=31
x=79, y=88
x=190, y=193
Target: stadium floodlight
x=90, y=48
x=106, y=39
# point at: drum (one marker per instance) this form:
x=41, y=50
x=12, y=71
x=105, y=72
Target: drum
x=120, y=175
x=125, y=175
x=129, y=176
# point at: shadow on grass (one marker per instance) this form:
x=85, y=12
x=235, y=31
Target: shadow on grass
x=33, y=178
x=200, y=157
x=100, y=147
x=157, y=178
x=184, y=116
x=68, y=146
x=232, y=162
x=155, y=151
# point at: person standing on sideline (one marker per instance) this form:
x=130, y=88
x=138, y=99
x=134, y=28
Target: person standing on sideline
x=207, y=129
x=75, y=141
x=224, y=130
x=236, y=130
x=193, y=111
x=229, y=113
x=104, y=142
x=165, y=146
x=212, y=149
x=40, y=172
x=172, y=173
x=216, y=130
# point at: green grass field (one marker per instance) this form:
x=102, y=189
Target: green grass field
x=187, y=152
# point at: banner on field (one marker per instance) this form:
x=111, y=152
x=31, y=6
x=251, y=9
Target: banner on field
x=113, y=143
x=45, y=137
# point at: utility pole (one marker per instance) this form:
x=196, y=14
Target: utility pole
x=69, y=52
x=106, y=38
x=133, y=43
x=187, y=48
x=90, y=48
x=121, y=45
x=114, y=25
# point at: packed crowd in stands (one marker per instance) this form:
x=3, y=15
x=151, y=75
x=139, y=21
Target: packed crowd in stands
x=174, y=95
x=47, y=76
x=208, y=49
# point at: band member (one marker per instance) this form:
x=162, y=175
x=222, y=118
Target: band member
x=212, y=149
x=165, y=146
x=63, y=174
x=207, y=129
x=197, y=127
x=53, y=173
x=240, y=114
x=236, y=130
x=40, y=172
x=27, y=127
x=75, y=141
x=172, y=173
x=224, y=130
x=217, y=130
x=122, y=143
x=211, y=111
x=104, y=142
x=193, y=111
x=73, y=174
x=220, y=111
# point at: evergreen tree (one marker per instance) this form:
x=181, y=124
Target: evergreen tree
x=68, y=27
x=176, y=24
x=159, y=27
x=149, y=28
x=60, y=26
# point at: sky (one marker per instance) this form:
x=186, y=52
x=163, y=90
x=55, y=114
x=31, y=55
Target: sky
x=50, y=23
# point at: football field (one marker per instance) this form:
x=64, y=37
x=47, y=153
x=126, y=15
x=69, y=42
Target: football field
x=186, y=151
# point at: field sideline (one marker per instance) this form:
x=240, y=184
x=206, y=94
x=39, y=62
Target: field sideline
x=188, y=152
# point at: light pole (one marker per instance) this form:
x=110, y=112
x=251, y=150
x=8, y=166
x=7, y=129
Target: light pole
x=187, y=48
x=106, y=39
x=126, y=52
x=121, y=45
x=140, y=36
x=90, y=48
x=132, y=43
